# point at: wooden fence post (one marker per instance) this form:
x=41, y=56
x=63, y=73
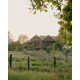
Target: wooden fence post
x=28, y=63
x=54, y=63
x=10, y=61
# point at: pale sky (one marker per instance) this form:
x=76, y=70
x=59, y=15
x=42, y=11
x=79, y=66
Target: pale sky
x=22, y=21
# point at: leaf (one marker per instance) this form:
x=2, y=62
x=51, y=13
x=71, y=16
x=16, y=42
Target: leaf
x=45, y=10
x=34, y=12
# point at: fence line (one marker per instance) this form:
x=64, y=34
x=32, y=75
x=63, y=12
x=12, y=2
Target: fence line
x=49, y=64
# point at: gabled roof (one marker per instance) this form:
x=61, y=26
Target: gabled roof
x=35, y=38
x=43, y=38
x=48, y=38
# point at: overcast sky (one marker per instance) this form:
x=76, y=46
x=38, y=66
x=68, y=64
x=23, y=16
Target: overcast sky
x=22, y=21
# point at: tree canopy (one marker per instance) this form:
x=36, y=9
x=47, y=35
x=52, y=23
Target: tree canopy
x=22, y=38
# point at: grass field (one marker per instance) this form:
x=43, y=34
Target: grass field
x=33, y=75
x=40, y=68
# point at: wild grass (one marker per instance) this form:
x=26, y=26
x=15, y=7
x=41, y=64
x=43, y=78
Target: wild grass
x=33, y=75
x=40, y=69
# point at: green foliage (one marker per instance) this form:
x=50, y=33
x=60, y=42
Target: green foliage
x=33, y=75
x=58, y=45
x=15, y=46
x=42, y=5
x=48, y=49
x=66, y=23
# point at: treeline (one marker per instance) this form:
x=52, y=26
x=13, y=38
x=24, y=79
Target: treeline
x=47, y=43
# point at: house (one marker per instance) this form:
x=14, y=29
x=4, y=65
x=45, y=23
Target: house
x=40, y=42
x=36, y=42
x=48, y=42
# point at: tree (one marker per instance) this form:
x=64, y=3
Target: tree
x=43, y=5
x=66, y=23
x=15, y=46
x=63, y=13
x=22, y=39
x=10, y=37
x=59, y=45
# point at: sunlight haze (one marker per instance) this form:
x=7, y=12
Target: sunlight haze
x=22, y=21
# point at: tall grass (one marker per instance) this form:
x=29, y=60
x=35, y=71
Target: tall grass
x=33, y=75
x=40, y=69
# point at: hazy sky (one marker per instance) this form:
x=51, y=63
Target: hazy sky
x=21, y=20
